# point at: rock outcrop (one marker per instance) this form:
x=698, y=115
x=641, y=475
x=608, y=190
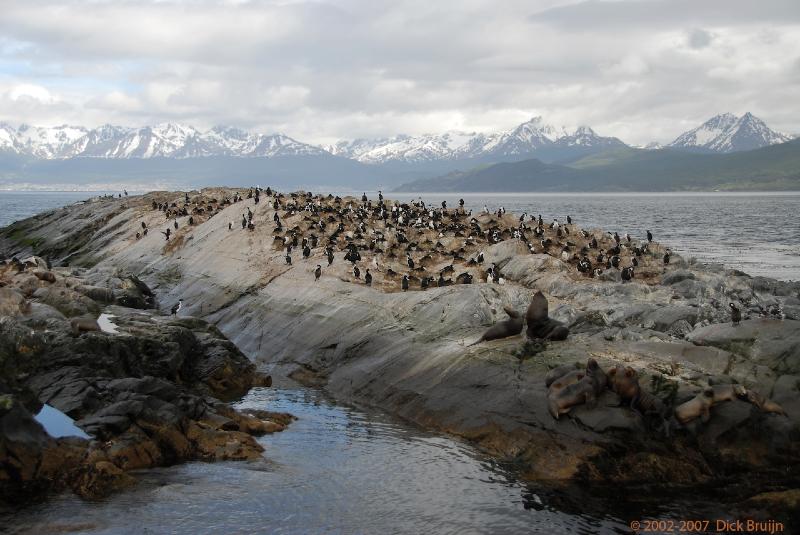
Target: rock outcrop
x=147, y=389
x=407, y=352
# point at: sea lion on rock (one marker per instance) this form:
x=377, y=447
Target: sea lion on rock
x=728, y=392
x=576, y=388
x=765, y=404
x=46, y=276
x=560, y=371
x=579, y=393
x=565, y=380
x=699, y=406
x=539, y=324
x=80, y=325
x=503, y=329
x=598, y=376
x=625, y=383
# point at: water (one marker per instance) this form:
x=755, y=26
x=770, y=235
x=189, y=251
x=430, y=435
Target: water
x=16, y=205
x=339, y=470
x=758, y=233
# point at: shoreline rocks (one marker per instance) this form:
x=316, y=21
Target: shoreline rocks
x=149, y=393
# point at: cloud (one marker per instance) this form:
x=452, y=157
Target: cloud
x=333, y=69
x=699, y=38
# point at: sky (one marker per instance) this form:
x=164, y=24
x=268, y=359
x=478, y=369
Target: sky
x=326, y=70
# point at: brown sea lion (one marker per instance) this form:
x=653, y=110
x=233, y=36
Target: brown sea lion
x=763, y=403
x=565, y=380
x=728, y=392
x=624, y=381
x=96, y=293
x=47, y=276
x=503, y=329
x=80, y=325
x=578, y=393
x=577, y=387
x=559, y=372
x=699, y=406
x=598, y=376
x=540, y=326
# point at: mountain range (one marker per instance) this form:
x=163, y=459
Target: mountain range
x=771, y=168
x=179, y=154
x=167, y=140
x=722, y=133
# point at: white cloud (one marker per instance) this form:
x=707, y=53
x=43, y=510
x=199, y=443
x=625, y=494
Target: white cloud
x=325, y=70
x=31, y=92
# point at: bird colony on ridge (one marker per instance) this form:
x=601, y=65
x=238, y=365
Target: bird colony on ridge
x=406, y=246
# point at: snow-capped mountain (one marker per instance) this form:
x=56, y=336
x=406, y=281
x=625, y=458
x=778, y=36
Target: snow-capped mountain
x=522, y=140
x=533, y=138
x=47, y=142
x=167, y=140
x=728, y=133
x=653, y=145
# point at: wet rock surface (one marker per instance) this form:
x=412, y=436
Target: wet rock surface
x=148, y=394
x=407, y=351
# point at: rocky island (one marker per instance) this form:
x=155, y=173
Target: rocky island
x=382, y=303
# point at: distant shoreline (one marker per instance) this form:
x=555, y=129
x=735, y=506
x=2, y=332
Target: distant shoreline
x=465, y=193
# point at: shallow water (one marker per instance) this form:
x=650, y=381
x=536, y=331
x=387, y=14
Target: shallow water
x=342, y=470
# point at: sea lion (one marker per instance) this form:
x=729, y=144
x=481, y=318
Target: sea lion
x=560, y=371
x=624, y=381
x=80, y=325
x=96, y=293
x=503, y=329
x=47, y=276
x=598, y=376
x=699, y=406
x=577, y=387
x=728, y=392
x=564, y=381
x=539, y=324
x=578, y=393
x=765, y=404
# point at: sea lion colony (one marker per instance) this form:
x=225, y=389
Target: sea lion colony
x=405, y=246
x=569, y=386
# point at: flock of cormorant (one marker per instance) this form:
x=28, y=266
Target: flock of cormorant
x=415, y=245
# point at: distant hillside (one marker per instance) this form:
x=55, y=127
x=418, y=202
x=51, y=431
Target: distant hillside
x=776, y=167
x=328, y=172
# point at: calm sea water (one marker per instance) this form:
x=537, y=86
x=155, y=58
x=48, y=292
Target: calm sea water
x=343, y=470
x=758, y=233
x=16, y=205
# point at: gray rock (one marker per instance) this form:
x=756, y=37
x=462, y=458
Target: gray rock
x=662, y=319
x=677, y=276
x=769, y=342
